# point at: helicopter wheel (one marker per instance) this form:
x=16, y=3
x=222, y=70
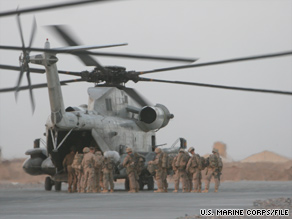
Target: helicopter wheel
x=48, y=184
x=150, y=184
x=58, y=186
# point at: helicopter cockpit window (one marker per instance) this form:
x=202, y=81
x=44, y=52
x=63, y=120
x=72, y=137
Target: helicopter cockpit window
x=108, y=103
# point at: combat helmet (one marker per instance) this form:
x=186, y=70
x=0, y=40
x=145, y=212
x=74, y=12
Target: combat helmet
x=86, y=150
x=191, y=149
x=157, y=150
x=128, y=150
x=215, y=150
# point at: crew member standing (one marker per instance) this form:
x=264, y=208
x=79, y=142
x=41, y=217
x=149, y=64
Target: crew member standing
x=159, y=174
x=194, y=169
x=76, y=165
x=129, y=164
x=88, y=170
x=67, y=162
x=214, y=169
x=98, y=158
x=179, y=166
x=108, y=174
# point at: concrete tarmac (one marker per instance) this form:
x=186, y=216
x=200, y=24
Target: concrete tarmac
x=34, y=202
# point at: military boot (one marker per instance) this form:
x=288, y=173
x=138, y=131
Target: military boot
x=194, y=191
x=165, y=190
x=199, y=191
x=132, y=191
x=185, y=190
x=205, y=191
x=175, y=191
x=105, y=191
x=216, y=190
x=112, y=190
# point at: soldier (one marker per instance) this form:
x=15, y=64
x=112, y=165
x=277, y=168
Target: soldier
x=129, y=164
x=159, y=173
x=67, y=162
x=98, y=170
x=194, y=169
x=140, y=161
x=88, y=170
x=76, y=165
x=189, y=175
x=108, y=175
x=214, y=169
x=179, y=166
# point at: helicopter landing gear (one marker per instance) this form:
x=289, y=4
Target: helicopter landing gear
x=49, y=183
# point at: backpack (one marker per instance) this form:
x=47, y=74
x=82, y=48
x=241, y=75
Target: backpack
x=165, y=159
x=181, y=161
x=109, y=164
x=98, y=161
x=77, y=161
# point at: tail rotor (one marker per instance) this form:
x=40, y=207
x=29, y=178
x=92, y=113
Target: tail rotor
x=24, y=60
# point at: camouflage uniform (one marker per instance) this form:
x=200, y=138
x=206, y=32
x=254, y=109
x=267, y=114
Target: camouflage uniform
x=76, y=165
x=159, y=174
x=214, y=169
x=67, y=162
x=179, y=166
x=194, y=169
x=165, y=166
x=189, y=175
x=88, y=172
x=129, y=164
x=140, y=160
x=108, y=175
x=98, y=160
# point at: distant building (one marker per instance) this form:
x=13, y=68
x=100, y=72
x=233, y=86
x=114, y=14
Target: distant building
x=222, y=148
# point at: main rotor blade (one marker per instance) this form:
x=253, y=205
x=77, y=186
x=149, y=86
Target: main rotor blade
x=63, y=32
x=219, y=62
x=38, y=70
x=35, y=86
x=48, y=7
x=137, y=56
x=84, y=48
x=120, y=55
x=218, y=86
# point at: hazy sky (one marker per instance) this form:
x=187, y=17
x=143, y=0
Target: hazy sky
x=210, y=30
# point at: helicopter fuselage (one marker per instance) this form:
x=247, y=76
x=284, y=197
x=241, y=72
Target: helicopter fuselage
x=114, y=118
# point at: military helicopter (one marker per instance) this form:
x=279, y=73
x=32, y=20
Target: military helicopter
x=115, y=116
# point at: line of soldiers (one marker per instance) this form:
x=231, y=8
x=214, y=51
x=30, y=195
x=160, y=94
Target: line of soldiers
x=187, y=169
x=89, y=172
x=93, y=172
